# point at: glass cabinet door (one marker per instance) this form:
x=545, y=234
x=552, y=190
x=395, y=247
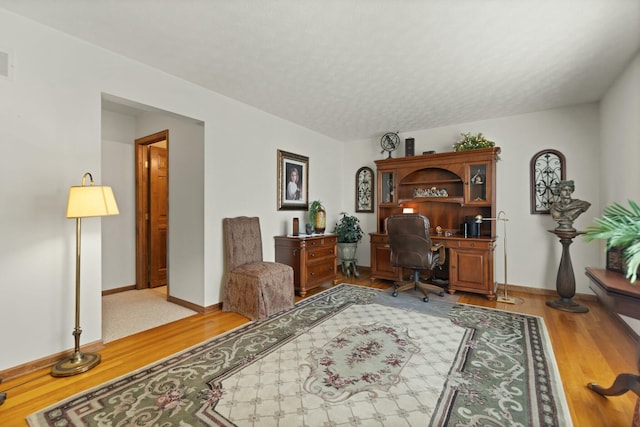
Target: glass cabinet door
x=478, y=185
x=387, y=188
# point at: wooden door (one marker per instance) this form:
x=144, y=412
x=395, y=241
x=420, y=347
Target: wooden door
x=157, y=216
x=152, y=222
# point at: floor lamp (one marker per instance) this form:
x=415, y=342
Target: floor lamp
x=502, y=216
x=84, y=201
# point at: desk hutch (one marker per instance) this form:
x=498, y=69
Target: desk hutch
x=449, y=189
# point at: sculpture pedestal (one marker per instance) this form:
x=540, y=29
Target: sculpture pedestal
x=566, y=280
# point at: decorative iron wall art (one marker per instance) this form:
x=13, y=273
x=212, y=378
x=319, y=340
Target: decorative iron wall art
x=364, y=189
x=547, y=170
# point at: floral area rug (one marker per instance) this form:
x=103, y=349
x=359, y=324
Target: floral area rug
x=349, y=356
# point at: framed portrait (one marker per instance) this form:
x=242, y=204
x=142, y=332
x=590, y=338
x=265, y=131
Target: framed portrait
x=293, y=181
x=364, y=189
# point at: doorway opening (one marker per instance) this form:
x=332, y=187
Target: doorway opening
x=152, y=209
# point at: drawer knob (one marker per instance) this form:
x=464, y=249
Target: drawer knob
x=312, y=274
x=312, y=254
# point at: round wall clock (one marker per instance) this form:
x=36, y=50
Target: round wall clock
x=364, y=189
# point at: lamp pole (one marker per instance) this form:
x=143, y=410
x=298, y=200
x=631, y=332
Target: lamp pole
x=502, y=216
x=84, y=201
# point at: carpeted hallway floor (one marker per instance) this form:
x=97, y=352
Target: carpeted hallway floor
x=130, y=312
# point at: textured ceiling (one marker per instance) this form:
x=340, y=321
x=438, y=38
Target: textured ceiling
x=354, y=69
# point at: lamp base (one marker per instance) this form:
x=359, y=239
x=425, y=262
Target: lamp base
x=508, y=300
x=76, y=364
x=567, y=304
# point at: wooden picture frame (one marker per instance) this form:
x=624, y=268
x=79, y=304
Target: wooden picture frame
x=547, y=168
x=293, y=181
x=365, y=185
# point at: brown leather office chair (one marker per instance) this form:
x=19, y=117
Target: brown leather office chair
x=253, y=287
x=412, y=248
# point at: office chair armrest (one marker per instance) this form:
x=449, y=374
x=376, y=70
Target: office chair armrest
x=441, y=248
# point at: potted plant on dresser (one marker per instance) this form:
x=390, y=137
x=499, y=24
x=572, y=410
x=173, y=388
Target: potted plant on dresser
x=317, y=217
x=349, y=234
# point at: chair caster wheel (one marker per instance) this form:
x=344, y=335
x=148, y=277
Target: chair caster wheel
x=394, y=294
x=425, y=299
x=441, y=293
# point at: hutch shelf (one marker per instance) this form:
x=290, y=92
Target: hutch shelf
x=450, y=189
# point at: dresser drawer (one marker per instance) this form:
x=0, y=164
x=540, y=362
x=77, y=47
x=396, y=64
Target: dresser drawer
x=320, y=252
x=379, y=238
x=320, y=271
x=475, y=244
x=323, y=241
x=446, y=243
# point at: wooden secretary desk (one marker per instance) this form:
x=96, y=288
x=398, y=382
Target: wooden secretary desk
x=450, y=189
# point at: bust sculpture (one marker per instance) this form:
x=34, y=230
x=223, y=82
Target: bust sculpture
x=565, y=210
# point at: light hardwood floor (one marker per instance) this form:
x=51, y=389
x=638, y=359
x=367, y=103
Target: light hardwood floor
x=588, y=347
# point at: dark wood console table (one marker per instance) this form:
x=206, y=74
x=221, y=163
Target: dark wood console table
x=621, y=298
x=615, y=292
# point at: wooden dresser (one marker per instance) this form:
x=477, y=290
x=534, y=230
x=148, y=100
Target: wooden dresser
x=313, y=258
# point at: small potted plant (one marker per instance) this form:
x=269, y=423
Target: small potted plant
x=349, y=234
x=471, y=142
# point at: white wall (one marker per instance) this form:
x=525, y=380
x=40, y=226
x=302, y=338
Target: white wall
x=533, y=252
x=119, y=232
x=620, y=149
x=50, y=132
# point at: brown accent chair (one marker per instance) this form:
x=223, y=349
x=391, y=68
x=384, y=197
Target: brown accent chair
x=253, y=287
x=412, y=248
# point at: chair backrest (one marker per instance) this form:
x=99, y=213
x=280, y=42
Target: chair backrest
x=242, y=241
x=409, y=241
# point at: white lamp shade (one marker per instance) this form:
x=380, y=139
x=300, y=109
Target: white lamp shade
x=91, y=200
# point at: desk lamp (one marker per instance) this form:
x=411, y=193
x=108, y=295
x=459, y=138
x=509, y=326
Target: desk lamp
x=84, y=201
x=502, y=216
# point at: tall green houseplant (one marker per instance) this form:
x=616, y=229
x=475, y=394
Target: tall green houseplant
x=620, y=226
x=349, y=234
x=348, y=229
